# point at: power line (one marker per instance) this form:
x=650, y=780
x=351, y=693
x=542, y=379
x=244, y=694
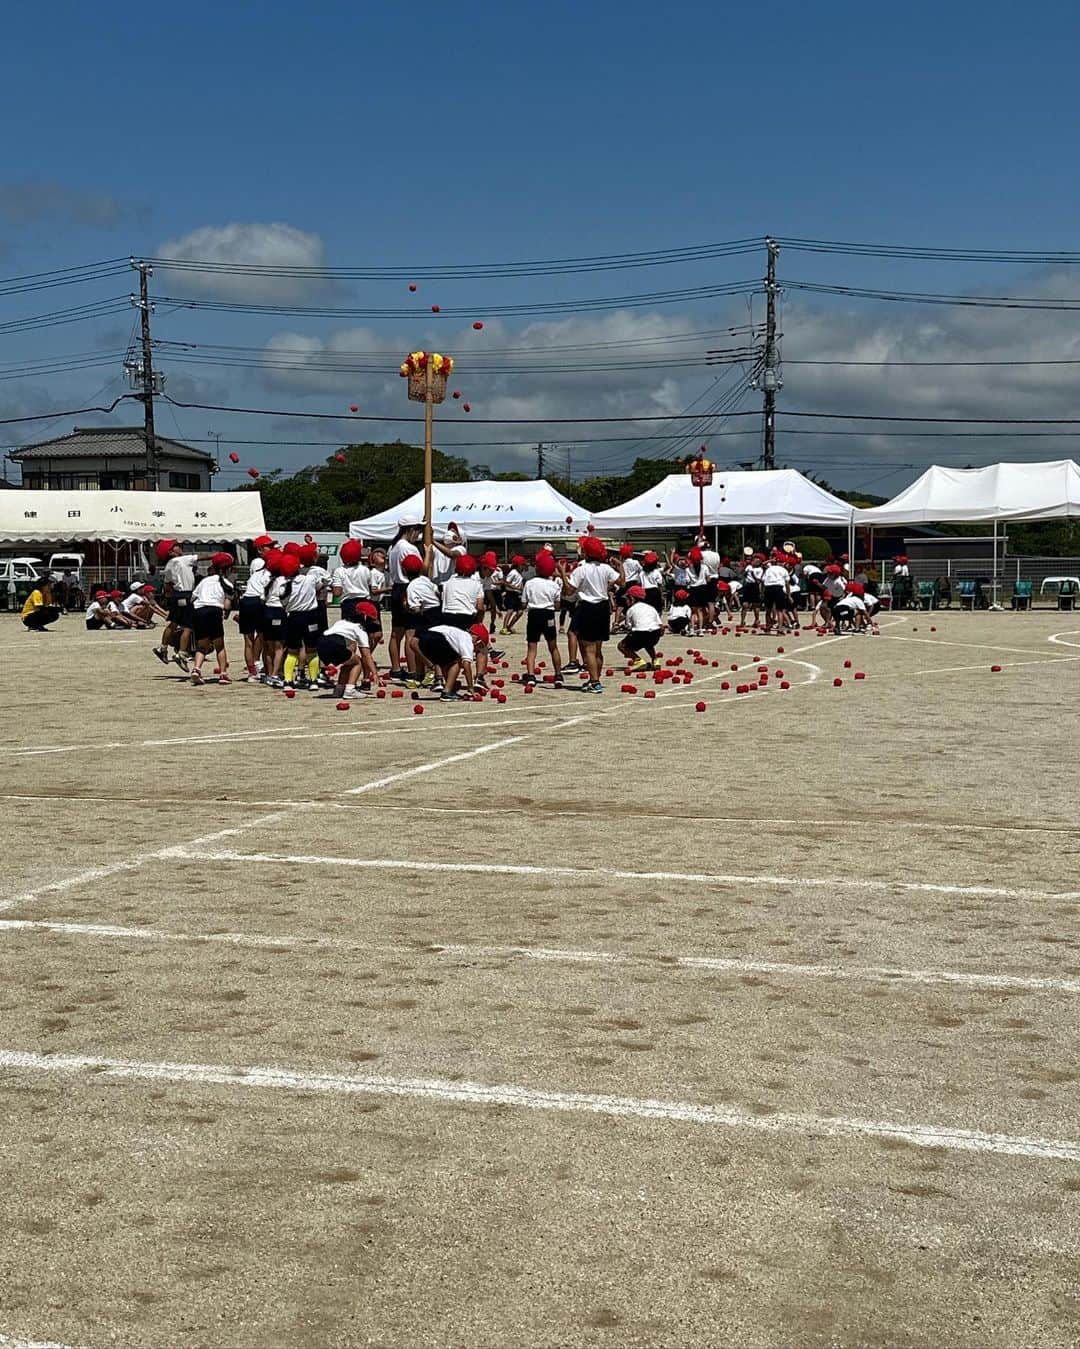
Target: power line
x=933, y=297
x=930, y=253
x=608, y=302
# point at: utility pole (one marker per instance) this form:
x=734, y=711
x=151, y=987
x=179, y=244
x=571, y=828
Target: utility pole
x=771, y=383
x=142, y=374
x=539, y=461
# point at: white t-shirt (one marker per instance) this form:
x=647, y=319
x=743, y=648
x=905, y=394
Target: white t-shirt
x=422, y=594
x=303, y=595
x=462, y=642
x=901, y=569
x=632, y=570
x=679, y=611
x=131, y=601
x=258, y=582
x=180, y=571
x=592, y=580
x=352, y=632
x=872, y=602
x=852, y=602
x=461, y=594
x=319, y=575
x=95, y=610
x=542, y=594
x=642, y=617
x=353, y=582
x=776, y=575
x=274, y=592
x=834, y=586
x=442, y=567
x=514, y=580
x=498, y=576
x=378, y=582
x=710, y=560
x=652, y=578
x=212, y=592
x=810, y=569
x=399, y=550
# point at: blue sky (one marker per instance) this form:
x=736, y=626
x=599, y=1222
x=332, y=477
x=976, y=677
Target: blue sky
x=482, y=132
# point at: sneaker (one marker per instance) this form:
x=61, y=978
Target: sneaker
x=480, y=682
x=399, y=675
x=255, y=679
x=411, y=683
x=595, y=687
x=183, y=660
x=446, y=697
x=275, y=682
x=427, y=680
x=572, y=667
x=559, y=683
x=438, y=687
x=495, y=653
x=223, y=679
x=640, y=664
x=196, y=678
x=353, y=695
x=161, y=654
x=529, y=681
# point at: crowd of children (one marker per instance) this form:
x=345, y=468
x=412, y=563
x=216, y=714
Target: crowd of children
x=446, y=604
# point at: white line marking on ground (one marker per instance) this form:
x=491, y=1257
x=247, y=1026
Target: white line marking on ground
x=1058, y=638
x=942, y=641
x=83, y=877
x=475, y=1093
x=7, y=1342
x=891, y=974
x=189, y=853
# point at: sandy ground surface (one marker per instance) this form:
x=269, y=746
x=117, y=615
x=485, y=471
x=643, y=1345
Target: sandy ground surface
x=577, y=1021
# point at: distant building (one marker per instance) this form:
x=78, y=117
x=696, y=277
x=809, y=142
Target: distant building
x=112, y=458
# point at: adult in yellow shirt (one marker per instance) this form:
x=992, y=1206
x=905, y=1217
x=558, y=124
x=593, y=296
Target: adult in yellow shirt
x=39, y=611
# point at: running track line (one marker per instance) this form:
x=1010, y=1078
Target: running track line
x=189, y=853
x=890, y=974
x=6, y=1342
x=97, y=1069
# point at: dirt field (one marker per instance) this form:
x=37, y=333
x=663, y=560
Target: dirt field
x=576, y=1021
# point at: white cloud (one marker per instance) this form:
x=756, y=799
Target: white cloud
x=42, y=199
x=263, y=245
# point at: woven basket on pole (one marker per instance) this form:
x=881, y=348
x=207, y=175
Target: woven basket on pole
x=418, y=386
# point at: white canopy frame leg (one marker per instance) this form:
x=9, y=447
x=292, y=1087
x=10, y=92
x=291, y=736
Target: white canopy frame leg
x=994, y=576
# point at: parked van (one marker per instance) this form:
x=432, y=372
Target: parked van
x=18, y=576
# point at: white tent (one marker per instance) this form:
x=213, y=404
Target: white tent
x=1045, y=491
x=774, y=497
x=116, y=517
x=485, y=510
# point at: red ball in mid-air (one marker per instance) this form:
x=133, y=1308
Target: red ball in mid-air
x=456, y=393
x=234, y=458
x=434, y=308
x=353, y=407
x=465, y=407
x=253, y=472
x=412, y=285
x=478, y=325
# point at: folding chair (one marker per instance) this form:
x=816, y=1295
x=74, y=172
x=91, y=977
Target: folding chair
x=928, y=596
x=967, y=592
x=1067, y=595
x=1021, y=596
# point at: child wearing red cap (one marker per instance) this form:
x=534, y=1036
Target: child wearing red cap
x=594, y=581
x=273, y=623
x=643, y=629
x=652, y=581
x=404, y=544
x=210, y=601
x=697, y=583
x=351, y=582
x=678, y=619
x=463, y=594
x=303, y=624
x=513, y=585
x=250, y=615
x=489, y=564
x=97, y=613
x=179, y=582
x=453, y=654
x=542, y=595
x=346, y=646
